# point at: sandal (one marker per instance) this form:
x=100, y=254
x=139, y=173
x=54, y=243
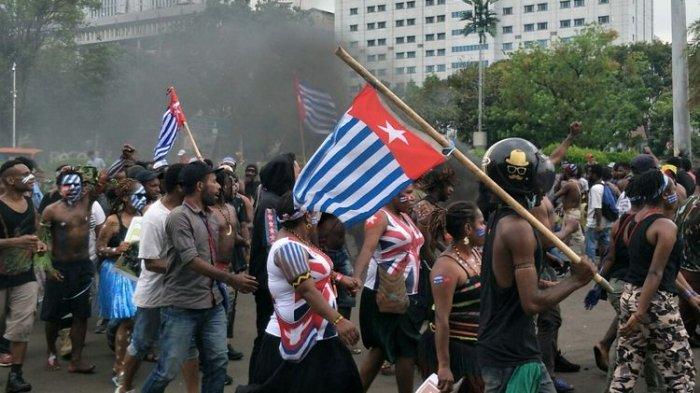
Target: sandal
x=52, y=363
x=81, y=370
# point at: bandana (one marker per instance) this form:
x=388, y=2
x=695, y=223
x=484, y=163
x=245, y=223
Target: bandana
x=297, y=214
x=138, y=198
x=71, y=188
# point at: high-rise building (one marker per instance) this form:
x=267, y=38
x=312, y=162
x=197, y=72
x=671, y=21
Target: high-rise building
x=407, y=40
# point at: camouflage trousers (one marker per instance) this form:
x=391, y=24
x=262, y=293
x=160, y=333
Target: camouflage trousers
x=664, y=339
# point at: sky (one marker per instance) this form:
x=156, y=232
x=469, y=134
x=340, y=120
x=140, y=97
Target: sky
x=662, y=14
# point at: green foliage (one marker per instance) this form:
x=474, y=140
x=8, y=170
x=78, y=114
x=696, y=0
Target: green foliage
x=579, y=155
x=694, y=63
x=481, y=20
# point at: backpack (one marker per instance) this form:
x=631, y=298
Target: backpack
x=609, y=208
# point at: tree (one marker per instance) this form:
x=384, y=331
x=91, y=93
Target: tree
x=27, y=27
x=482, y=21
x=694, y=64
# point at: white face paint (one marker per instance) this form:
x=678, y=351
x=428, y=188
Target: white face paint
x=29, y=178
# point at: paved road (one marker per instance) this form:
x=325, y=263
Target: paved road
x=581, y=328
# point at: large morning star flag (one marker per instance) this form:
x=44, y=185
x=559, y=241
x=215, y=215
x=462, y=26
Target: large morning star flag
x=366, y=161
x=173, y=119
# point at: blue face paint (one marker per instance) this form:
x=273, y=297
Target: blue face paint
x=138, y=198
x=480, y=231
x=71, y=188
x=672, y=199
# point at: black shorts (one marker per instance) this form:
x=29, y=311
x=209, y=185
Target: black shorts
x=70, y=296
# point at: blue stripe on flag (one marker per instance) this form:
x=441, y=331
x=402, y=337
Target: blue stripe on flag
x=166, y=137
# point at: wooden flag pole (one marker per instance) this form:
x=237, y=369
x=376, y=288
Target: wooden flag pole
x=464, y=160
x=194, y=144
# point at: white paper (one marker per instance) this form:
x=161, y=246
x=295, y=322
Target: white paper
x=430, y=385
x=133, y=234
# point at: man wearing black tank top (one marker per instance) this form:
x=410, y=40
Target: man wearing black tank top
x=18, y=286
x=507, y=345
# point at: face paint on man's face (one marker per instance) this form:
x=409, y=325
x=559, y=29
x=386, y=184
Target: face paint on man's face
x=71, y=188
x=138, y=198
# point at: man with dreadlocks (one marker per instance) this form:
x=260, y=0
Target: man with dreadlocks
x=68, y=287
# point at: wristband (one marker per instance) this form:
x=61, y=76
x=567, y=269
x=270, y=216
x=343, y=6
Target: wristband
x=337, y=320
x=690, y=293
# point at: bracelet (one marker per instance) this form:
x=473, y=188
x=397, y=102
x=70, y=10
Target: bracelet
x=337, y=277
x=338, y=319
x=690, y=293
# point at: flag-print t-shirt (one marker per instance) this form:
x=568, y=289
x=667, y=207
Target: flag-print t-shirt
x=289, y=263
x=398, y=251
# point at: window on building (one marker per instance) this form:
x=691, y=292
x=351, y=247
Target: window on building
x=400, y=55
x=543, y=43
x=399, y=23
x=381, y=25
x=430, y=68
x=429, y=19
x=542, y=26
x=579, y=22
x=430, y=37
x=528, y=44
x=565, y=23
x=542, y=7
x=458, y=14
x=469, y=48
x=440, y=18
x=603, y=20
x=529, y=8
x=441, y=2
x=529, y=27
x=411, y=22
x=429, y=2
x=371, y=42
x=410, y=4
x=371, y=58
x=410, y=39
x=353, y=44
x=370, y=26
x=411, y=70
x=399, y=70
x=400, y=40
x=507, y=10
x=381, y=41
x=381, y=71
x=381, y=8
x=411, y=55
x=381, y=57
x=353, y=11
x=398, y=6
x=579, y=3
x=507, y=46
x=603, y=1
x=507, y=29
x=353, y=27
x=565, y=4
x=440, y=36
x=457, y=32
x=441, y=52
x=430, y=53
x=370, y=9
x=441, y=68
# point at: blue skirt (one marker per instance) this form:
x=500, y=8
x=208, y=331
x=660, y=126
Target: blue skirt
x=116, y=293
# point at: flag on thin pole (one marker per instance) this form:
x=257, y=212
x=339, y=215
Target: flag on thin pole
x=173, y=119
x=369, y=158
x=317, y=110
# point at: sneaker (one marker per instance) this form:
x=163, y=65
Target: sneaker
x=233, y=354
x=228, y=380
x=561, y=386
x=16, y=384
x=118, y=390
x=5, y=359
x=118, y=380
x=101, y=326
x=561, y=365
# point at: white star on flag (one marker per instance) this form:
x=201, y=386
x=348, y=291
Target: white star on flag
x=394, y=133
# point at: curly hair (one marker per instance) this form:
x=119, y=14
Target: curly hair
x=458, y=214
x=122, y=189
x=647, y=188
x=440, y=176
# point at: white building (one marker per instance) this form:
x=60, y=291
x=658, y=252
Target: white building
x=131, y=20
x=407, y=40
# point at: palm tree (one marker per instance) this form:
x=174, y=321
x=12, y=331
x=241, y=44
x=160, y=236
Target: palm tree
x=482, y=21
x=694, y=64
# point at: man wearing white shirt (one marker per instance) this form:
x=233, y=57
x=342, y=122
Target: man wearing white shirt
x=597, y=226
x=149, y=288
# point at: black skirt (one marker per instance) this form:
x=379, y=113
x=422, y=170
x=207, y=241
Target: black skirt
x=396, y=335
x=328, y=367
x=463, y=361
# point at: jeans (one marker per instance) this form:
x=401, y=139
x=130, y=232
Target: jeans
x=496, y=379
x=596, y=240
x=178, y=327
x=144, y=336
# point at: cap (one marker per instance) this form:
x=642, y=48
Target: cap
x=181, y=152
x=160, y=164
x=146, y=176
x=194, y=172
x=230, y=161
x=134, y=171
x=666, y=168
x=642, y=163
